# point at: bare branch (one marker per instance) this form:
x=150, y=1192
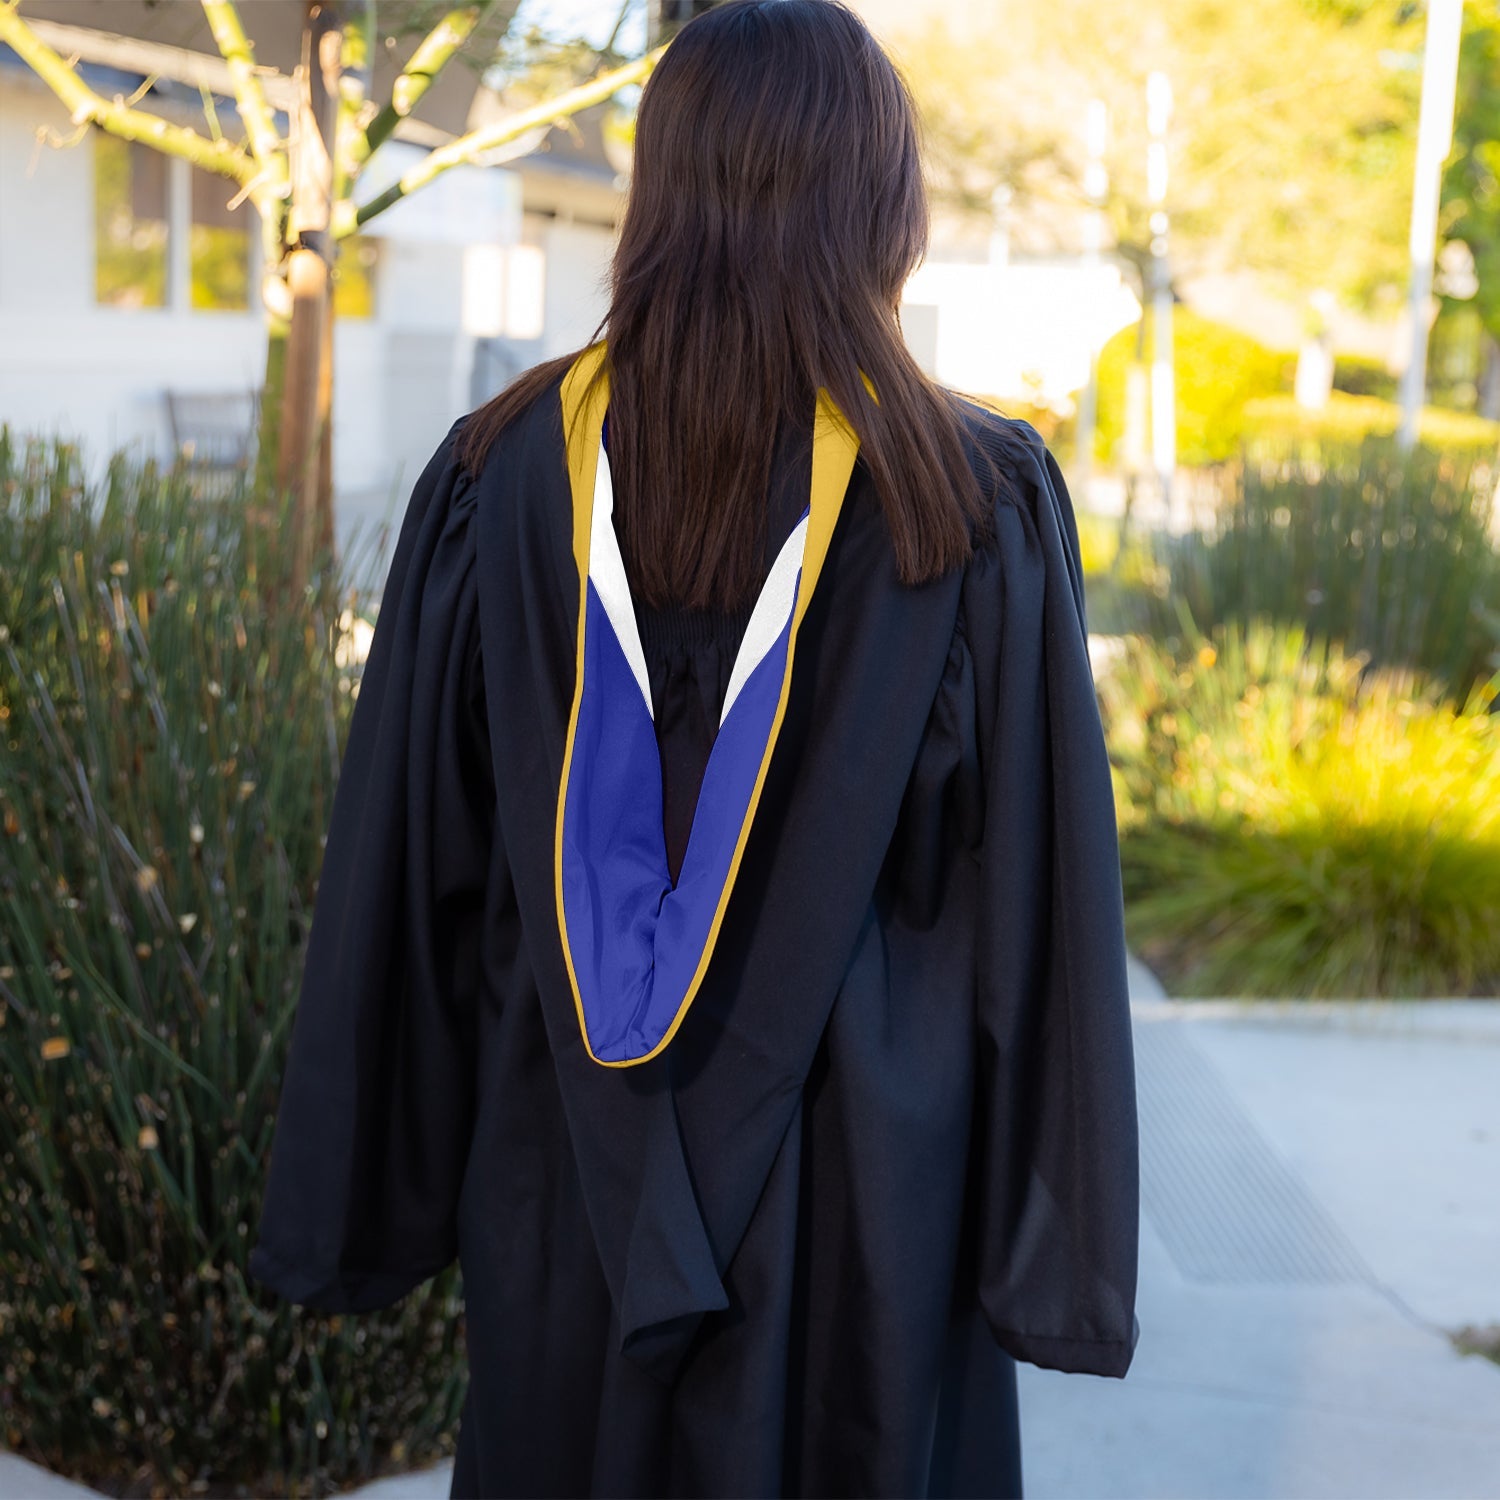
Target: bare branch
x=85, y=107
x=260, y=125
x=356, y=49
x=467, y=147
x=614, y=33
x=433, y=54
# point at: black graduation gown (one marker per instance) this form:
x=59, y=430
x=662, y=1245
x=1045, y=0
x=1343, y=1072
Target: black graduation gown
x=891, y=1148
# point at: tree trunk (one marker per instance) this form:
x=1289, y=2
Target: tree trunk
x=302, y=466
x=323, y=532
x=297, y=469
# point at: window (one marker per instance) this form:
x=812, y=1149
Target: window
x=219, y=244
x=130, y=223
x=164, y=234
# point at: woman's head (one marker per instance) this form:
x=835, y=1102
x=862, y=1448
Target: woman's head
x=776, y=209
x=776, y=153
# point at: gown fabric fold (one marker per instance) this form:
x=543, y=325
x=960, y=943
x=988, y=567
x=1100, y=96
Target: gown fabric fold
x=892, y=1147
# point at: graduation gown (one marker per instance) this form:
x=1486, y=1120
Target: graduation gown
x=783, y=1229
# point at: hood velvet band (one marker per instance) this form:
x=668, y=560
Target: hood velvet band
x=637, y=945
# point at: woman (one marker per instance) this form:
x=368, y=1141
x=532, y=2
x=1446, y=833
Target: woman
x=719, y=946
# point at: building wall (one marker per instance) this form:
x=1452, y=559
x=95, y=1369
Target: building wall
x=577, y=286
x=67, y=365
x=98, y=374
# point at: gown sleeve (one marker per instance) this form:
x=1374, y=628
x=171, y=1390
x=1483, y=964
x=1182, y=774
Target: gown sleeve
x=377, y=1098
x=1058, y=1188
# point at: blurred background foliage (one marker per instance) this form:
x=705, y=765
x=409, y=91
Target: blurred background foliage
x=1296, y=824
x=1307, y=196
x=1302, y=722
x=1265, y=179
x=1218, y=371
x=1348, y=419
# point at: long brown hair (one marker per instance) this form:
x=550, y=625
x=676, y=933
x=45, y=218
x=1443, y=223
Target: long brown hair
x=776, y=208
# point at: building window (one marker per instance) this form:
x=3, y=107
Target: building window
x=218, y=245
x=130, y=223
x=164, y=234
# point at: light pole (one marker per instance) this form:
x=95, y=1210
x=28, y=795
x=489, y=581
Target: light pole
x=1000, y=201
x=1163, y=394
x=1095, y=187
x=1434, y=139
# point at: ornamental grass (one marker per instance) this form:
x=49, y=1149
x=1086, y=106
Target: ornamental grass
x=1394, y=554
x=170, y=732
x=1295, y=823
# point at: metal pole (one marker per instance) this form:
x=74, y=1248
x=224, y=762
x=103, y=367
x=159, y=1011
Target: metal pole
x=1000, y=200
x=1095, y=186
x=1163, y=393
x=1434, y=140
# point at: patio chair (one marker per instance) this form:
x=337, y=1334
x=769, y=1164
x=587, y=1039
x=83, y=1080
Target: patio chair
x=213, y=437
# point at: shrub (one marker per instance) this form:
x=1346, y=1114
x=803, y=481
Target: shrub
x=1217, y=371
x=168, y=752
x=1390, y=553
x=1295, y=824
x=1098, y=541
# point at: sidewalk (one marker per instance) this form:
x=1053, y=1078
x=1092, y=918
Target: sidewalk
x=1320, y=1202
x=1320, y=1190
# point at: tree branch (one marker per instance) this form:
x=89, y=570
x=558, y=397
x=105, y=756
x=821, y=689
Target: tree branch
x=356, y=50
x=250, y=97
x=614, y=32
x=467, y=147
x=118, y=118
x=433, y=54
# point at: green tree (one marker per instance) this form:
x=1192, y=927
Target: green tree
x=1291, y=144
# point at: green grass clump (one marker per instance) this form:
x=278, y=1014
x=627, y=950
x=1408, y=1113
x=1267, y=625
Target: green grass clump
x=169, y=745
x=1391, y=553
x=1293, y=824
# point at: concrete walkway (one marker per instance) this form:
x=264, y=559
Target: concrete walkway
x=1320, y=1207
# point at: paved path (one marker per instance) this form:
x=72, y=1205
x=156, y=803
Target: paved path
x=1321, y=1203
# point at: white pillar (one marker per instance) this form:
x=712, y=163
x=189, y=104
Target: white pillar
x=1095, y=186
x=1163, y=387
